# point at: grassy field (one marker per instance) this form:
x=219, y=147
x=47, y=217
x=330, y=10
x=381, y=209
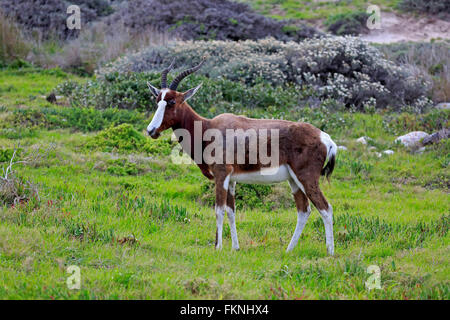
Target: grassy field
x=314, y=10
x=148, y=232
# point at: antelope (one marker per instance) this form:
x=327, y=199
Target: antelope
x=302, y=153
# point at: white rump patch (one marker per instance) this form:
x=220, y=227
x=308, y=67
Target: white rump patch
x=329, y=144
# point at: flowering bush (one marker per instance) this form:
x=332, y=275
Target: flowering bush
x=130, y=91
x=343, y=68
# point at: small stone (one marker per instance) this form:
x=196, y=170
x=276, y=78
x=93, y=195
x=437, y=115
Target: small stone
x=372, y=148
x=378, y=154
x=412, y=139
x=342, y=148
x=51, y=98
x=362, y=140
x=443, y=106
x=436, y=137
x=388, y=152
x=420, y=150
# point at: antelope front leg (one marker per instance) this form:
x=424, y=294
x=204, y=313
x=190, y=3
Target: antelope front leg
x=221, y=201
x=231, y=212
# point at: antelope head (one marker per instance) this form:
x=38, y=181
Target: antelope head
x=170, y=102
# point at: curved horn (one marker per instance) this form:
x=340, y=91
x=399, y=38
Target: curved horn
x=184, y=74
x=164, y=75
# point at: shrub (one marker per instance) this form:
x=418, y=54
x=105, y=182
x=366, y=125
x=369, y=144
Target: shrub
x=353, y=23
x=430, y=59
x=343, y=68
x=14, y=189
x=220, y=95
x=125, y=139
x=97, y=44
x=89, y=119
x=12, y=43
x=121, y=167
x=440, y=8
x=247, y=195
x=205, y=19
x=46, y=19
x=84, y=119
x=123, y=91
x=430, y=122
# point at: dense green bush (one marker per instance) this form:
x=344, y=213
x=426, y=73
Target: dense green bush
x=353, y=23
x=247, y=195
x=125, y=139
x=346, y=69
x=6, y=154
x=441, y=8
x=216, y=96
x=80, y=118
x=121, y=167
x=405, y=122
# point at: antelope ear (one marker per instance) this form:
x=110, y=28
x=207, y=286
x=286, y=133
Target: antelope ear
x=188, y=94
x=153, y=90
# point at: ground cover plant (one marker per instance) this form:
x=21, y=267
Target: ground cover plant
x=313, y=10
x=139, y=226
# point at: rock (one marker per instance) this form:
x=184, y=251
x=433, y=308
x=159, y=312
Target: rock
x=443, y=106
x=420, y=150
x=378, y=154
x=51, y=98
x=362, y=140
x=342, y=148
x=388, y=152
x=372, y=148
x=412, y=139
x=436, y=137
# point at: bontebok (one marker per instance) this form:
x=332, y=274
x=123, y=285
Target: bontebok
x=230, y=149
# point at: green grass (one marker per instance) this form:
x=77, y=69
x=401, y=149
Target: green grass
x=147, y=233
x=314, y=10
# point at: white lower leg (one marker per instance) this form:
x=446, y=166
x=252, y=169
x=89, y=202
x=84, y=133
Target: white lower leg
x=327, y=217
x=302, y=217
x=232, y=220
x=220, y=212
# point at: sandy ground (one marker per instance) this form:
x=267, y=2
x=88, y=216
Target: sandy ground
x=396, y=28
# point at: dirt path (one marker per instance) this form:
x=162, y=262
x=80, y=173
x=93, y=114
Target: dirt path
x=396, y=28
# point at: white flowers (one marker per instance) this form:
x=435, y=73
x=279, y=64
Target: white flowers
x=343, y=68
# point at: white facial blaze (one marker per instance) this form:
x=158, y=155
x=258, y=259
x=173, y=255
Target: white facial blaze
x=159, y=114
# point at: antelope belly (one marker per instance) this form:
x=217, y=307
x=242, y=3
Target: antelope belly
x=266, y=175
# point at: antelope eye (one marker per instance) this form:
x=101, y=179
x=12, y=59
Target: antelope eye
x=171, y=102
